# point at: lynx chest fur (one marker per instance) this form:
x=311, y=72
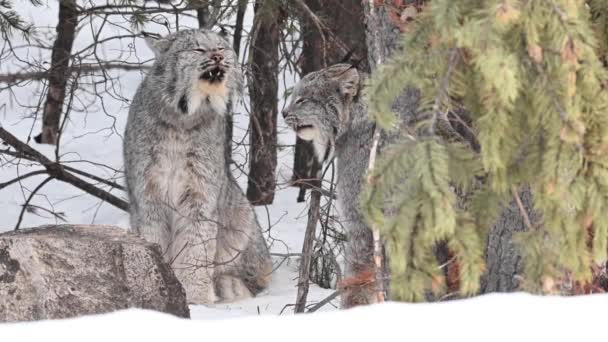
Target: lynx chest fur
x=181, y=193
x=184, y=166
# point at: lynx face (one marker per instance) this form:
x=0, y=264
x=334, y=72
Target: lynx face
x=197, y=68
x=319, y=107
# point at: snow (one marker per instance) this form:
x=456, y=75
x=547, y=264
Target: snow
x=497, y=317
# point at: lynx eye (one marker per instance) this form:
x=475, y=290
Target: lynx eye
x=200, y=50
x=300, y=100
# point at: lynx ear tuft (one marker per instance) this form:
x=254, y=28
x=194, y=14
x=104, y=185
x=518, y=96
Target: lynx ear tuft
x=347, y=78
x=157, y=44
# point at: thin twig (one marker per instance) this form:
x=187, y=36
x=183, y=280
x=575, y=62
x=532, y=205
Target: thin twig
x=22, y=177
x=96, y=178
x=520, y=205
x=28, y=200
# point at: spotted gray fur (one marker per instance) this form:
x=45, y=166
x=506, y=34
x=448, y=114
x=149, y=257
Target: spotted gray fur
x=182, y=195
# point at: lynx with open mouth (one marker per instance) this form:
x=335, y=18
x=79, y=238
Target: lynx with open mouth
x=307, y=132
x=213, y=75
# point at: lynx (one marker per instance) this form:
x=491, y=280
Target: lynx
x=326, y=108
x=182, y=195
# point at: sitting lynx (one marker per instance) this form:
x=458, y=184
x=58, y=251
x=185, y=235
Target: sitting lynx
x=325, y=108
x=182, y=194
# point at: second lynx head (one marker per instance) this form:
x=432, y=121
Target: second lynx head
x=320, y=106
x=197, y=69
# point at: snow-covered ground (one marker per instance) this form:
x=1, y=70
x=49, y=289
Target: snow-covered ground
x=497, y=317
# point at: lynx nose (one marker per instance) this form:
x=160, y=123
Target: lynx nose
x=217, y=57
x=285, y=114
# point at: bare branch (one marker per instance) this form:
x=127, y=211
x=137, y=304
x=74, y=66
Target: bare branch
x=57, y=171
x=29, y=199
x=83, y=69
x=22, y=177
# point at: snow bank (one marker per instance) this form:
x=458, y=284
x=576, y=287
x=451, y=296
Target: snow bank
x=496, y=317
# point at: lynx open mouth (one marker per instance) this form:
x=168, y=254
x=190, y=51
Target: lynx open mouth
x=213, y=75
x=304, y=127
x=300, y=127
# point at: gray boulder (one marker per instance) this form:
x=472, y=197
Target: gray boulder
x=71, y=270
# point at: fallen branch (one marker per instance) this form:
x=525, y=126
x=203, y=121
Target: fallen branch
x=324, y=302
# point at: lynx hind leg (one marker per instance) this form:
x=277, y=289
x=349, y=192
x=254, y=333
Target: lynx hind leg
x=243, y=250
x=359, y=281
x=256, y=265
x=193, y=251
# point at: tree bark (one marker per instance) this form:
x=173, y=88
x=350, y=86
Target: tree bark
x=238, y=27
x=58, y=73
x=503, y=259
x=207, y=12
x=340, y=34
x=236, y=44
x=263, y=89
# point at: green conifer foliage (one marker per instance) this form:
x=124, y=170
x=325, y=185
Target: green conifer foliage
x=531, y=75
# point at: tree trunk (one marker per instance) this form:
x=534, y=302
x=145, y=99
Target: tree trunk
x=207, y=12
x=263, y=89
x=58, y=73
x=236, y=45
x=503, y=259
x=238, y=27
x=340, y=34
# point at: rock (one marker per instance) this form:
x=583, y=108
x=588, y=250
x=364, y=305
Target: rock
x=71, y=270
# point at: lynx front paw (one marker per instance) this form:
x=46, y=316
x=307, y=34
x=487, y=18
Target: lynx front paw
x=230, y=289
x=204, y=295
